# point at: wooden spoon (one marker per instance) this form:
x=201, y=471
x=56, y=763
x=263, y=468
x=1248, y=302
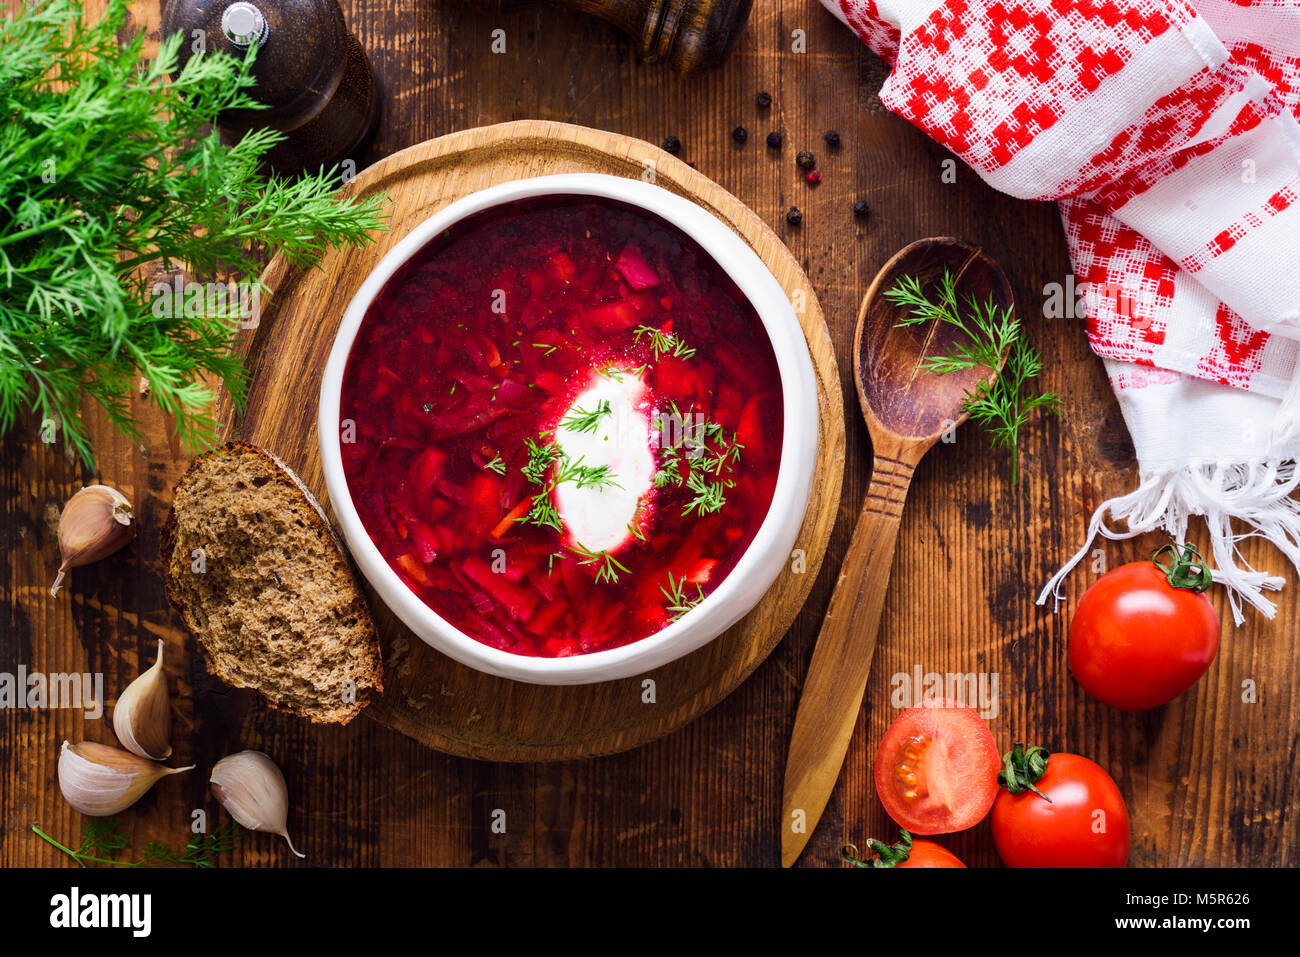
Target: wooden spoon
x=907, y=410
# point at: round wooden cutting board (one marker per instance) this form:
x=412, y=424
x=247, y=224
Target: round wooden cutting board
x=428, y=696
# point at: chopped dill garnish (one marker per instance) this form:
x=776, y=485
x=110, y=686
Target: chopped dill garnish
x=711, y=458
x=670, y=471
x=580, y=420
x=538, y=470
x=540, y=458
x=662, y=343
x=727, y=455
x=678, y=601
x=709, y=496
x=609, y=566
x=497, y=465
x=543, y=512
x=594, y=476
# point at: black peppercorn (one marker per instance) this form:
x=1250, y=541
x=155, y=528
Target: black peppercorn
x=740, y=134
x=793, y=216
x=832, y=139
x=672, y=145
x=805, y=160
x=775, y=139
x=860, y=208
x=764, y=100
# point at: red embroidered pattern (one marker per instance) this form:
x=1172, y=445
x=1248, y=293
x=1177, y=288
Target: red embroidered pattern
x=1236, y=353
x=1174, y=118
x=984, y=77
x=876, y=33
x=1130, y=283
x=1139, y=377
x=1282, y=72
x=1283, y=199
x=1137, y=181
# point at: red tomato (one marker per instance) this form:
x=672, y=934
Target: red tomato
x=936, y=768
x=1137, y=642
x=1085, y=823
x=930, y=854
x=906, y=853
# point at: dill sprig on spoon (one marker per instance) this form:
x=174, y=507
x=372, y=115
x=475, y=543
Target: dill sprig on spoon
x=107, y=166
x=991, y=334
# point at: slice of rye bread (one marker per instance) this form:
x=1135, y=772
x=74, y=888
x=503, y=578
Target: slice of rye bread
x=276, y=607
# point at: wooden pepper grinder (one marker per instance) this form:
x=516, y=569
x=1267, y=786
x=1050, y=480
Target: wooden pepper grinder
x=689, y=35
x=311, y=73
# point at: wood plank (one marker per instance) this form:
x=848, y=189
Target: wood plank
x=1209, y=779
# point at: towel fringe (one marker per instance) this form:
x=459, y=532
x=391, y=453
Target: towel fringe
x=1257, y=494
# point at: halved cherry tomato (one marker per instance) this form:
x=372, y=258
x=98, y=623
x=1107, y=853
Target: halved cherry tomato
x=1059, y=810
x=906, y=853
x=936, y=768
x=1144, y=633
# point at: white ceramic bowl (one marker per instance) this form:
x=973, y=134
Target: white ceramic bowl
x=767, y=554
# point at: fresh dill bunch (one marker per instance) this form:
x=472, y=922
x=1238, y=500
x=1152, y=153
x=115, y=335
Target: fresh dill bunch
x=991, y=334
x=108, y=165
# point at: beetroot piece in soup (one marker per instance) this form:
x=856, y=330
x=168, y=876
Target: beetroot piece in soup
x=567, y=424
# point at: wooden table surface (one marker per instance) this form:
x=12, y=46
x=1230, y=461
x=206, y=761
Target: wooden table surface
x=1210, y=779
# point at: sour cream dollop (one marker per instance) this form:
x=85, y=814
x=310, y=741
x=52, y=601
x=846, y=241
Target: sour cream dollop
x=600, y=519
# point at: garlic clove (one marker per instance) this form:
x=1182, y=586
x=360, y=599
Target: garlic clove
x=95, y=523
x=142, y=717
x=252, y=789
x=98, y=780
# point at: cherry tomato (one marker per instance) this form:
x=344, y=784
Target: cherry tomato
x=930, y=854
x=936, y=768
x=906, y=853
x=1078, y=820
x=1138, y=642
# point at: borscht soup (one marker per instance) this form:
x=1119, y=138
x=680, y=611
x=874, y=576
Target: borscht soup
x=561, y=424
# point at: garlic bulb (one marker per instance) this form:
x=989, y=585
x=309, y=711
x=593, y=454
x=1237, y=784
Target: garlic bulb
x=142, y=717
x=98, y=780
x=95, y=523
x=252, y=789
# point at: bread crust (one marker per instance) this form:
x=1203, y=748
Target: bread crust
x=285, y=477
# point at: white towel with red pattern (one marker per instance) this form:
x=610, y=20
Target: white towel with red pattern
x=1169, y=132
